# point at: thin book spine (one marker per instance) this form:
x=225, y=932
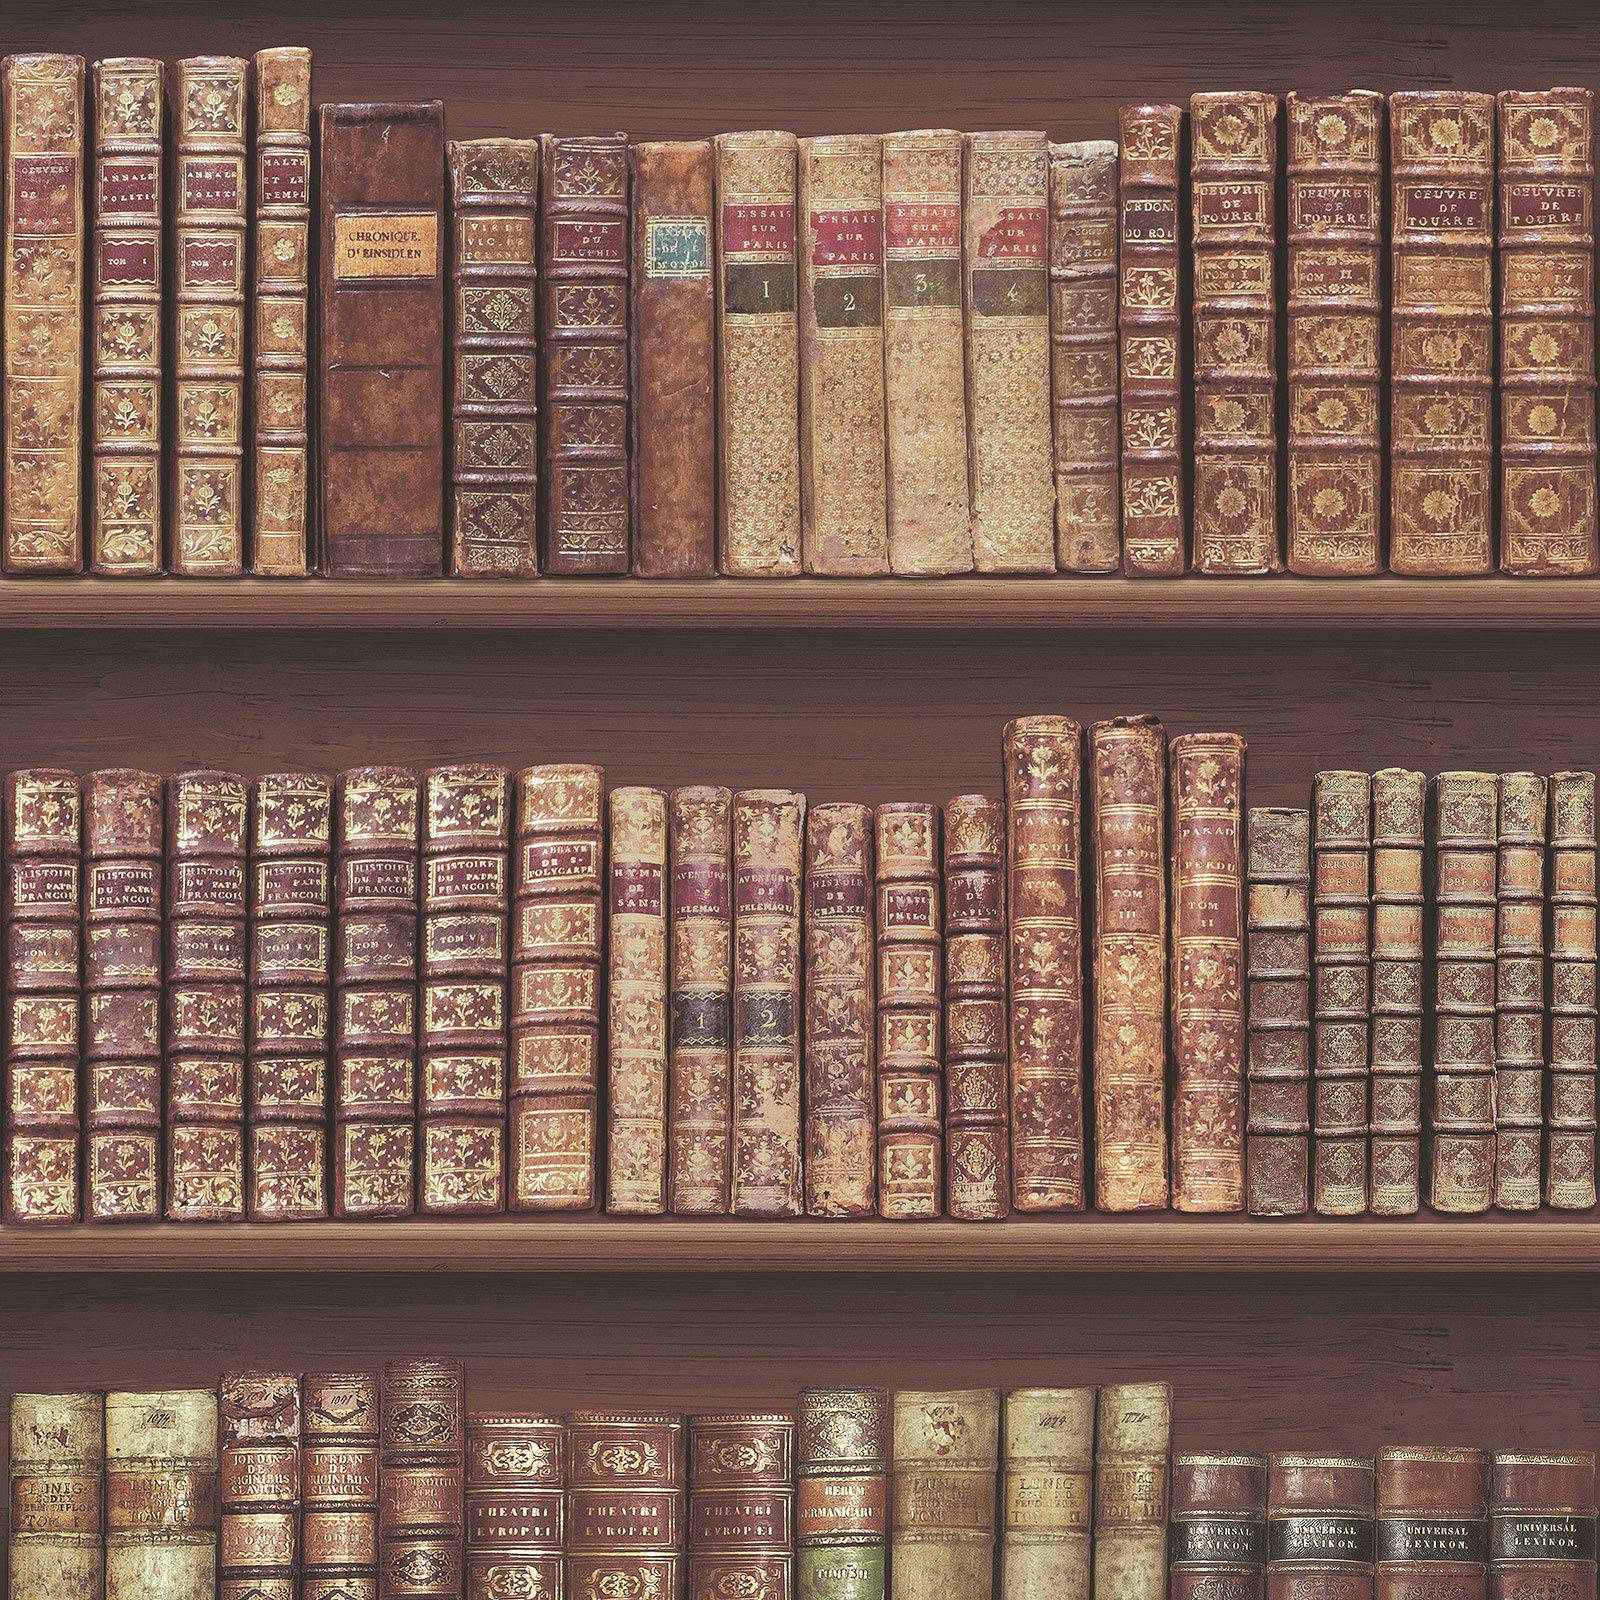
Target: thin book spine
x=421, y=1481
x=1132, y=1447
x=1569, y=1177
x=1519, y=997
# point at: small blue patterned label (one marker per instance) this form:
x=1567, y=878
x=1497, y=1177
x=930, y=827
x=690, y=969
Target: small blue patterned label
x=677, y=247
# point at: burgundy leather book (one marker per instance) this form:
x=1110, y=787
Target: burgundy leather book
x=339, y=1486
x=1219, y=1527
x=1320, y=1536
x=625, y=1504
x=1433, y=1524
x=1542, y=1526
x=421, y=1481
x=515, y=1505
x=258, y=1485
x=741, y=1506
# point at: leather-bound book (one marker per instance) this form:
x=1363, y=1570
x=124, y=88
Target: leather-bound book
x=1044, y=897
x=1006, y=293
x=555, y=988
x=291, y=897
x=375, y=977
x=625, y=1504
x=161, y=1495
x=1541, y=1526
x=124, y=490
x=258, y=1485
x=946, y=1455
x=924, y=364
x=1466, y=805
x=1546, y=332
x=339, y=1486
x=56, y=1549
x=1208, y=972
x=1433, y=1523
x=842, y=1494
x=1133, y=1439
x=205, y=994
x=910, y=1066
x=758, y=356
x=1399, y=817
x=700, y=1009
x=515, y=1499
x=1320, y=1535
x=280, y=239
x=461, y=1100
x=674, y=361
x=844, y=514
x=1341, y=950
x=41, y=513
x=381, y=319
x=421, y=1481
x=1127, y=768
x=636, y=1000
x=1278, y=1020
x=1441, y=332
x=1151, y=344
x=1219, y=1527
x=1569, y=1178
x=43, y=903
x=1334, y=496
x=841, y=1154
x=494, y=430
x=1083, y=354
x=767, y=957
x=1047, y=1532
x=583, y=332
x=1519, y=1001
x=741, y=1505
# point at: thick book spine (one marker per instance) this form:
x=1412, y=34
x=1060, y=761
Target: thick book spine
x=625, y=1504
x=41, y=507
x=375, y=977
x=1083, y=354
x=636, y=1001
x=1127, y=761
x=1569, y=1176
x=844, y=525
x=339, y=1486
x=1150, y=342
x=291, y=899
x=700, y=1001
x=674, y=352
x=1433, y=1524
x=124, y=832
x=280, y=240
x=768, y=825
x=421, y=1481
x=924, y=364
x=1219, y=1527
x=1006, y=295
x=1334, y=496
x=1519, y=998
x=43, y=967
x=1133, y=1440
x=841, y=1494
x=258, y=1486
x=1044, y=898
x=56, y=1549
x=946, y=1454
x=1542, y=1526
x=1546, y=332
x=584, y=352
x=1441, y=332
x=1047, y=1532
x=1320, y=1535
x=841, y=1159
x=494, y=430
x=741, y=1506
x=515, y=1504
x=555, y=988
x=125, y=396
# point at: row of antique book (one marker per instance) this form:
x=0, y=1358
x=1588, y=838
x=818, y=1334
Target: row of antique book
x=923, y=352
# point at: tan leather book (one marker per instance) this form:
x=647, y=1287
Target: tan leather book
x=1569, y=1180
x=924, y=364
x=1133, y=1438
x=1433, y=1523
x=842, y=1447
x=1546, y=332
x=421, y=1481
x=1047, y=1537
x=1441, y=332
x=741, y=1505
x=339, y=1499
x=56, y=1548
x=1219, y=1527
x=515, y=1504
x=125, y=404
x=758, y=356
x=1519, y=998
x=1334, y=497
x=625, y=1504
x=258, y=1485
x=1320, y=1535
x=946, y=1454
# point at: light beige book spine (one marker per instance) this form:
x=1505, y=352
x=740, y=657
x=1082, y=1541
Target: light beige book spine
x=1047, y=1546
x=946, y=1447
x=1133, y=1444
x=58, y=1462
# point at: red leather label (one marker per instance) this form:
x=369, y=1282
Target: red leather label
x=1019, y=233
x=843, y=238
x=758, y=230
x=922, y=225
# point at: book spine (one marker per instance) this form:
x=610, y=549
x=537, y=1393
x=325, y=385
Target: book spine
x=741, y=1506
x=280, y=464
x=700, y=1061
x=1006, y=293
x=1569, y=1178
x=555, y=988
x=1047, y=1537
x=1519, y=1002
x=1219, y=1527
x=339, y=1495
x=1127, y=759
x=841, y=1158
x=41, y=509
x=1320, y=1535
x=924, y=363
x=1133, y=1440
x=1542, y=1525
x=124, y=843
x=58, y=1462
x=674, y=361
x=258, y=1486
x=291, y=894
x=625, y=1504
x=1433, y=1524
x=636, y=998
x=1044, y=899
x=1441, y=332
x=1336, y=318
x=43, y=966
x=375, y=977
x=1546, y=332
x=842, y=1494
x=515, y=1500
x=125, y=394
x=767, y=955
x=1150, y=342
x=494, y=453
x=421, y=1481
x=946, y=1455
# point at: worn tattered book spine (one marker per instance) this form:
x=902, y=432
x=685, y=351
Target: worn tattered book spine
x=1133, y=1441
x=339, y=1486
x=946, y=1454
x=421, y=1481
x=842, y=1450
x=1047, y=1495
x=1519, y=998
x=1569, y=1177
x=258, y=1486
x=56, y=1549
